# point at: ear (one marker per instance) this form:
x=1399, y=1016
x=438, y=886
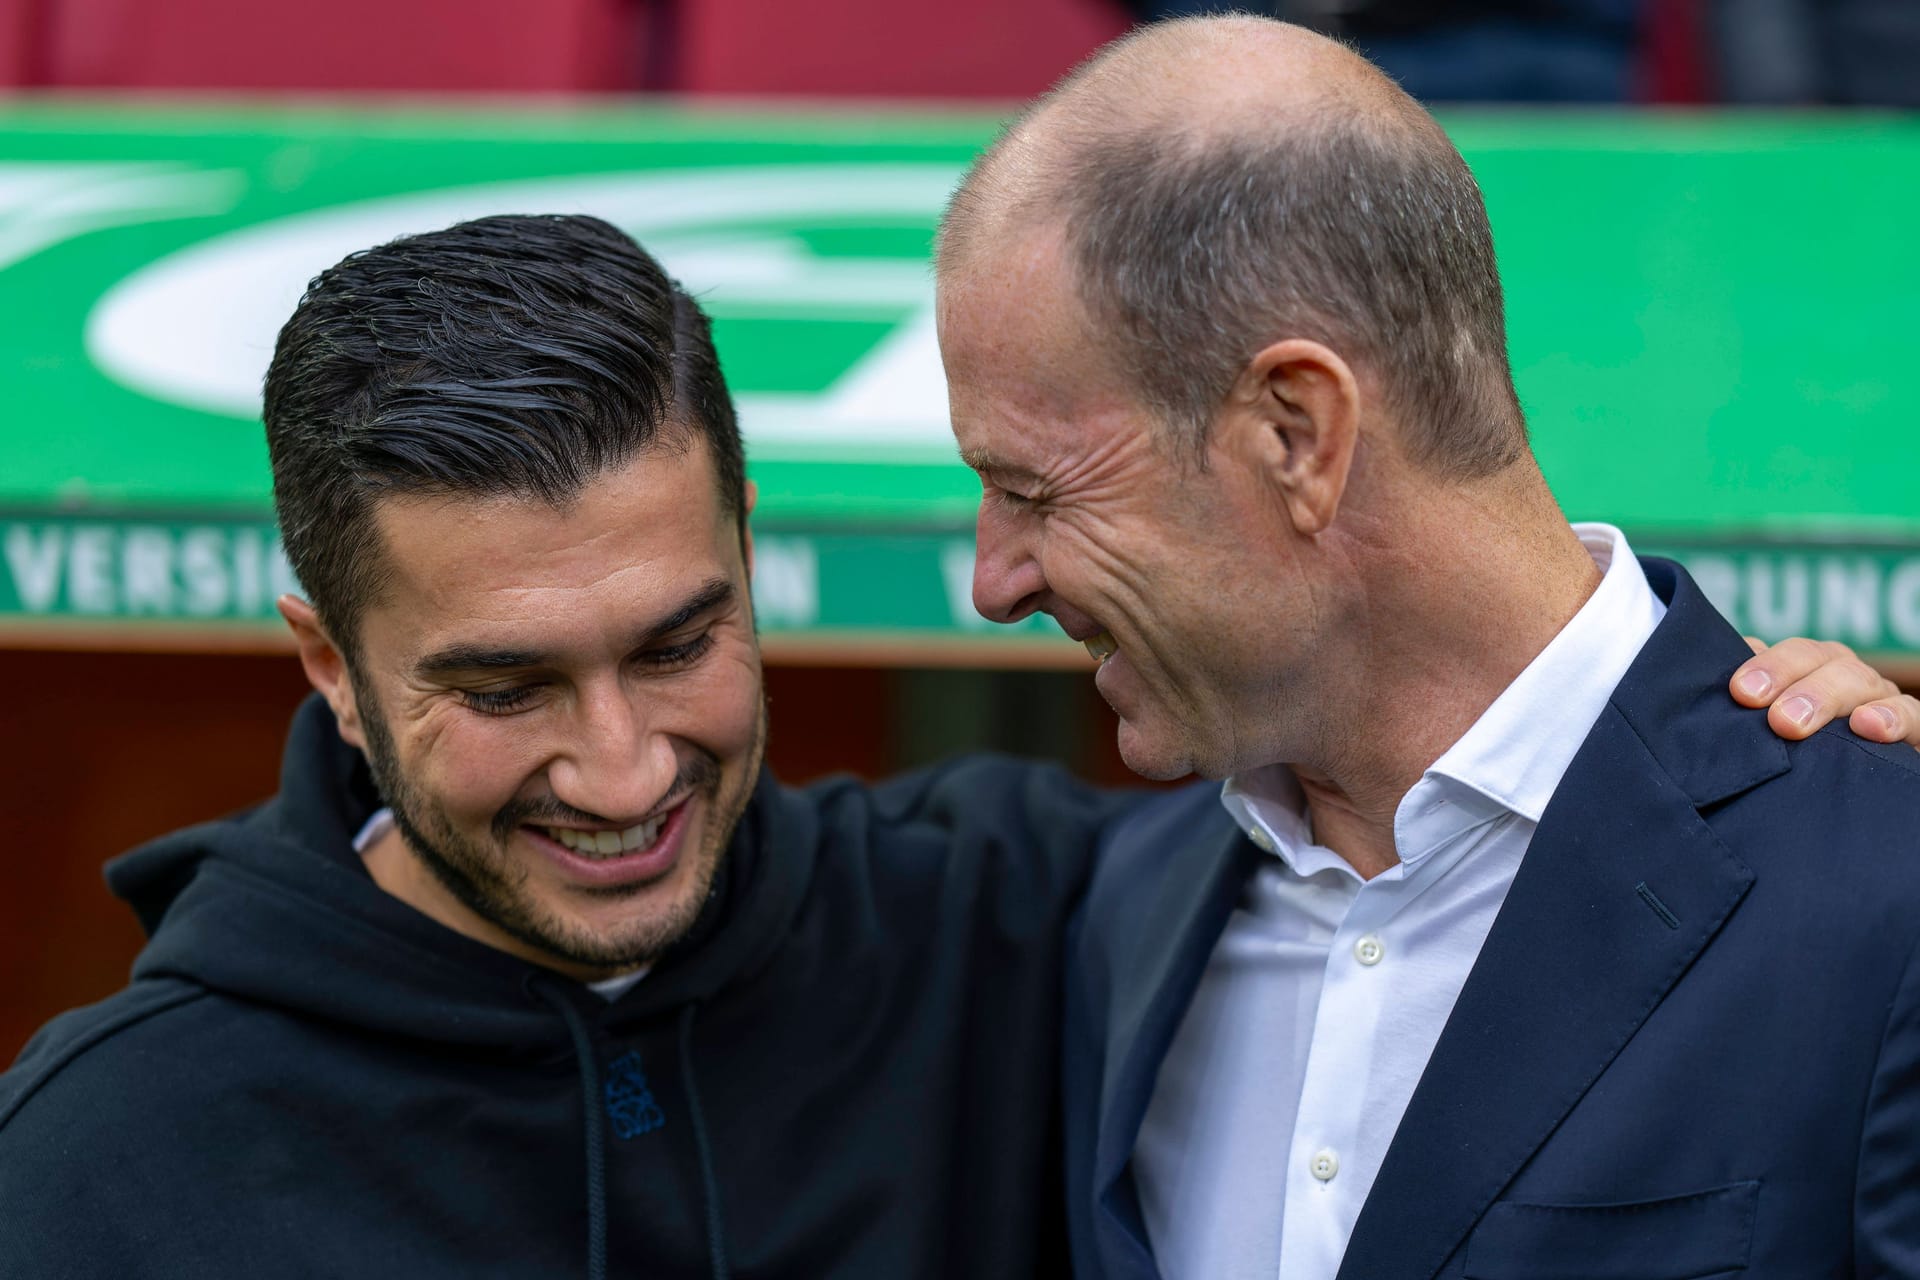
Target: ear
x=1295, y=412
x=325, y=666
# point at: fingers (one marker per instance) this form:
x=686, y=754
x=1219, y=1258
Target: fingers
x=1762, y=679
x=1894, y=719
x=1807, y=683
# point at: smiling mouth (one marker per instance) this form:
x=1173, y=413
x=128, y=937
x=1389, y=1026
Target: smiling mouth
x=611, y=844
x=1102, y=646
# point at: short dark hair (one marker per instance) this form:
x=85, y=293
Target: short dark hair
x=518, y=356
x=1198, y=253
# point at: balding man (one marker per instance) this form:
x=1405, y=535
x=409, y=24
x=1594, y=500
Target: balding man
x=1516, y=949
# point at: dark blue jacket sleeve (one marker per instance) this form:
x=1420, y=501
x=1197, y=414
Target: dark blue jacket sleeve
x=1887, y=1192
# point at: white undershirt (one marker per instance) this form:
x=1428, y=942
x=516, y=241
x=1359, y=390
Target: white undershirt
x=1325, y=995
x=381, y=822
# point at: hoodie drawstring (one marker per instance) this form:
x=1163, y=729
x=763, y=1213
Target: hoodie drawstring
x=596, y=1129
x=710, y=1187
x=597, y=1137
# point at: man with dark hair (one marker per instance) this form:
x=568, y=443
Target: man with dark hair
x=530, y=969
x=1511, y=947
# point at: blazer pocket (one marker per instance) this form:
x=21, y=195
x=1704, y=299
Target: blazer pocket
x=1687, y=1237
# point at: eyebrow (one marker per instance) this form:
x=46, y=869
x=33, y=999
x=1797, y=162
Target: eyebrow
x=989, y=464
x=457, y=658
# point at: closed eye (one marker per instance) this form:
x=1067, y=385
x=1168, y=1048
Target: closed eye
x=674, y=656
x=498, y=702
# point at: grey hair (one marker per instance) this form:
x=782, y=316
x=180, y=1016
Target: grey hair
x=1195, y=251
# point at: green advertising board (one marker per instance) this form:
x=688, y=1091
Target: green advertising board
x=1712, y=331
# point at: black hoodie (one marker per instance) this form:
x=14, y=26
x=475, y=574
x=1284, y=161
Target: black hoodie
x=846, y=1069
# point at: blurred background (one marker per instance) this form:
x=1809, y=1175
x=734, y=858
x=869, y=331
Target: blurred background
x=1705, y=211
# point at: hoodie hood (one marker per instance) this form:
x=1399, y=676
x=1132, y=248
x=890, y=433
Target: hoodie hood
x=275, y=907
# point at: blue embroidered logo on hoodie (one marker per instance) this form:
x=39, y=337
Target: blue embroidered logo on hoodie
x=630, y=1099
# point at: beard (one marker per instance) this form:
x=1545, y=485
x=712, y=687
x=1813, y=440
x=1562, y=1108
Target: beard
x=487, y=879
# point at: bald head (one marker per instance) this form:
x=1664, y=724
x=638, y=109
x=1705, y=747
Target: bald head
x=1227, y=182
x=1189, y=83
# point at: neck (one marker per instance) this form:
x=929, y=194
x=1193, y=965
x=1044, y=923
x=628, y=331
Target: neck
x=1456, y=601
x=395, y=869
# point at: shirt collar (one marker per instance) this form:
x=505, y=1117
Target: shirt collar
x=1515, y=754
x=1269, y=806
x=375, y=828
x=1518, y=750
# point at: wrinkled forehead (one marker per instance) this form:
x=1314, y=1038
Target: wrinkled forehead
x=1015, y=312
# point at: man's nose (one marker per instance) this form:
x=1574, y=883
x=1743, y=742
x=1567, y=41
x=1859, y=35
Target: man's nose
x=1007, y=580
x=618, y=764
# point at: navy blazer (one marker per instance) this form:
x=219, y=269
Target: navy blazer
x=1689, y=1048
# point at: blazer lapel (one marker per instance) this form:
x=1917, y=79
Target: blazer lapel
x=1156, y=961
x=1622, y=887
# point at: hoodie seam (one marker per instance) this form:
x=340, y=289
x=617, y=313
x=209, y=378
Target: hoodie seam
x=92, y=1040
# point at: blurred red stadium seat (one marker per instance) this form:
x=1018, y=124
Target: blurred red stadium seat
x=898, y=48
x=1673, y=52
x=18, y=27
x=429, y=45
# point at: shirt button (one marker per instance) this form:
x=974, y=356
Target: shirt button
x=1368, y=950
x=1262, y=839
x=1324, y=1164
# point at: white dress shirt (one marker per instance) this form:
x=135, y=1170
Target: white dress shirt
x=1326, y=993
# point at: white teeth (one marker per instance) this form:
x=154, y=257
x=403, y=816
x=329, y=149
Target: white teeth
x=600, y=844
x=1103, y=646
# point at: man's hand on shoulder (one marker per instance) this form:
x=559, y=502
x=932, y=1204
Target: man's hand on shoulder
x=1806, y=683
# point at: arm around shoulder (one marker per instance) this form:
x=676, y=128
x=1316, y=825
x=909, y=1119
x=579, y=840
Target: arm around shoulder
x=1036, y=820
